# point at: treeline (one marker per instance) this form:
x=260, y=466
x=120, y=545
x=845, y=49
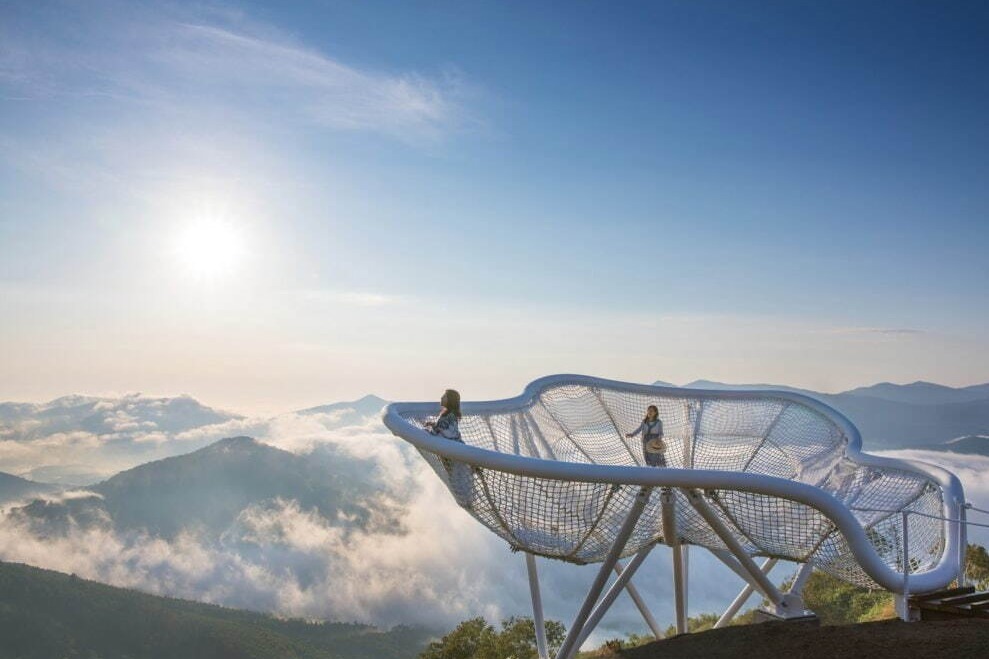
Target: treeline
x=46, y=614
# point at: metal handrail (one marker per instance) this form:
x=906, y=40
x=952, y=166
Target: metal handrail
x=917, y=512
x=905, y=530
x=969, y=506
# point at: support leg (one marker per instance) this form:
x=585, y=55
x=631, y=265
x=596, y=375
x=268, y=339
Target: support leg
x=765, y=586
x=569, y=647
x=685, y=548
x=743, y=596
x=624, y=580
x=680, y=589
x=962, y=542
x=903, y=599
x=900, y=606
x=728, y=559
x=803, y=574
x=672, y=538
x=640, y=604
x=537, y=606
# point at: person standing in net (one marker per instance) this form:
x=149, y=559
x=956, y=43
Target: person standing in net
x=653, y=446
x=447, y=424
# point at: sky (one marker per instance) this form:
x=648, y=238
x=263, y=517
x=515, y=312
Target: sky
x=275, y=205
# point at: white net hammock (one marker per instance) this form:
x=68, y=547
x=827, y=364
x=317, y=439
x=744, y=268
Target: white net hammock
x=552, y=473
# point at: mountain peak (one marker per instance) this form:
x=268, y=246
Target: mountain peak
x=207, y=489
x=71, y=400
x=241, y=441
x=241, y=446
x=366, y=405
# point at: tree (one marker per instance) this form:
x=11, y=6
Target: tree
x=838, y=602
x=518, y=638
x=476, y=639
x=977, y=566
x=471, y=638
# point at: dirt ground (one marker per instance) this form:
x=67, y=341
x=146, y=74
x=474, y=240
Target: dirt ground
x=892, y=639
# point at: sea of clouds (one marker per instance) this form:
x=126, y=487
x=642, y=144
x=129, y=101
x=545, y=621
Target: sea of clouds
x=438, y=568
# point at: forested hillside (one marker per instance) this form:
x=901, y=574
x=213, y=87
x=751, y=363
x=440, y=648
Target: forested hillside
x=46, y=614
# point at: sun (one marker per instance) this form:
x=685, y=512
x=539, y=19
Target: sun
x=210, y=249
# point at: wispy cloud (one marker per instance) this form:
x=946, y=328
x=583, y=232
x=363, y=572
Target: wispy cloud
x=192, y=62
x=877, y=331
x=348, y=298
x=291, y=79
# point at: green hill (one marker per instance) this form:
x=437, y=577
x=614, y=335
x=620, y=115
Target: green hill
x=45, y=614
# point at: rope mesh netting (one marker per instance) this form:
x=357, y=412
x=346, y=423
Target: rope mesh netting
x=578, y=521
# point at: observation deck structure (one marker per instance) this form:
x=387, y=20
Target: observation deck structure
x=770, y=474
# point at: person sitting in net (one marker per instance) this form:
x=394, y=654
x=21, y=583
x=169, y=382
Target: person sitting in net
x=653, y=446
x=447, y=424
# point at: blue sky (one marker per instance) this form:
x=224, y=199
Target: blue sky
x=437, y=193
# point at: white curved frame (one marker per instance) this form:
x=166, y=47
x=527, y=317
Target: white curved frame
x=946, y=570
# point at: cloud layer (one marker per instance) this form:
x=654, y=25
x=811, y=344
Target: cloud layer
x=440, y=567
x=76, y=440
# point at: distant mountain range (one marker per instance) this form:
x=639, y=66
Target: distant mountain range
x=77, y=440
x=893, y=416
x=46, y=614
x=80, y=440
x=349, y=413
x=970, y=445
x=924, y=393
x=13, y=488
x=205, y=491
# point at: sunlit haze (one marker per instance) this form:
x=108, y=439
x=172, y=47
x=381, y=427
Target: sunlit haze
x=269, y=207
x=208, y=249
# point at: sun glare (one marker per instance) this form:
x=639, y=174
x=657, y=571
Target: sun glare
x=210, y=250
